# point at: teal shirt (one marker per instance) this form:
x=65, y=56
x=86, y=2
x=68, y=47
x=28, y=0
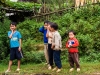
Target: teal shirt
x=14, y=41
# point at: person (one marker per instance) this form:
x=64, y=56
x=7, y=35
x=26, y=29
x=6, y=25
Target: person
x=50, y=51
x=72, y=45
x=43, y=29
x=15, y=46
x=56, y=46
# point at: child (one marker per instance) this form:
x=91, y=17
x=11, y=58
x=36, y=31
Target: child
x=15, y=46
x=50, y=51
x=56, y=46
x=43, y=29
x=72, y=46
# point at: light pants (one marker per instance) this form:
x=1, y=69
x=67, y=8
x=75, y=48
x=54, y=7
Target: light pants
x=46, y=52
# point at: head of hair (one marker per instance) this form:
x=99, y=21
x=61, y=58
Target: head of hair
x=46, y=22
x=72, y=32
x=50, y=23
x=55, y=26
x=13, y=23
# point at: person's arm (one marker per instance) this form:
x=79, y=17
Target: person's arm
x=41, y=29
x=56, y=42
x=47, y=34
x=67, y=45
x=20, y=42
x=53, y=42
x=10, y=34
x=76, y=44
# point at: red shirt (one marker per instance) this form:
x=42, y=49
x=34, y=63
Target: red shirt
x=74, y=42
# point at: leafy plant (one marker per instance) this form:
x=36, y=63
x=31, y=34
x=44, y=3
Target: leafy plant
x=4, y=46
x=23, y=5
x=85, y=22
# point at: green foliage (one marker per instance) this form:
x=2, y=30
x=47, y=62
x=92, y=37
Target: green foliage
x=34, y=57
x=28, y=57
x=4, y=46
x=2, y=14
x=85, y=22
x=92, y=57
x=23, y=5
x=64, y=56
x=29, y=30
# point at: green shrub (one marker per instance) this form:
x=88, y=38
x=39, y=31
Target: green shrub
x=64, y=56
x=85, y=22
x=33, y=57
x=4, y=46
x=28, y=57
x=23, y=5
x=29, y=29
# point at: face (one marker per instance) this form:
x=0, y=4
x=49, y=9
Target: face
x=49, y=27
x=45, y=25
x=52, y=29
x=12, y=27
x=71, y=35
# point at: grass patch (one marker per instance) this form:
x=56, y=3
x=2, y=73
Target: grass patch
x=28, y=69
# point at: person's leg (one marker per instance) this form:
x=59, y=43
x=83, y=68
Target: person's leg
x=18, y=64
x=54, y=57
x=12, y=57
x=46, y=53
x=18, y=56
x=57, y=59
x=10, y=64
x=76, y=60
x=50, y=53
x=18, y=67
x=71, y=61
x=51, y=57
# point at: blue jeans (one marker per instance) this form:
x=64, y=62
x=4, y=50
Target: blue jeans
x=57, y=60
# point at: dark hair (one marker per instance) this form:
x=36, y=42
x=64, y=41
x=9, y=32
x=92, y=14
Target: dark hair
x=50, y=23
x=13, y=23
x=46, y=22
x=54, y=25
x=72, y=32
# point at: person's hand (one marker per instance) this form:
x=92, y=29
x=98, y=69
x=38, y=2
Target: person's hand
x=12, y=30
x=11, y=33
x=50, y=36
x=52, y=46
x=48, y=28
x=69, y=46
x=19, y=48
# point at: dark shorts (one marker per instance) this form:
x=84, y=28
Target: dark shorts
x=15, y=54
